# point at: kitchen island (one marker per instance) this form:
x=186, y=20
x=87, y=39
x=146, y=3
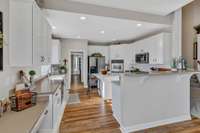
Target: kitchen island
x=105, y=84
x=141, y=101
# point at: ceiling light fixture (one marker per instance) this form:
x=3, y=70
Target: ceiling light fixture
x=83, y=18
x=102, y=32
x=78, y=37
x=139, y=25
x=54, y=27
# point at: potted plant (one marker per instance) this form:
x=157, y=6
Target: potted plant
x=32, y=73
x=63, y=69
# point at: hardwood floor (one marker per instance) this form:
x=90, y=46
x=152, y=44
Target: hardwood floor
x=192, y=126
x=93, y=115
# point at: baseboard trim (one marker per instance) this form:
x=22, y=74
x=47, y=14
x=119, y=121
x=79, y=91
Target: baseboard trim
x=154, y=124
x=118, y=119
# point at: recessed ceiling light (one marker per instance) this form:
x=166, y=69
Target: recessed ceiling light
x=83, y=18
x=139, y=25
x=102, y=32
x=78, y=37
x=54, y=27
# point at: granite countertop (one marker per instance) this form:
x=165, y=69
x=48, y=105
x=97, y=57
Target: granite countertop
x=161, y=73
x=23, y=121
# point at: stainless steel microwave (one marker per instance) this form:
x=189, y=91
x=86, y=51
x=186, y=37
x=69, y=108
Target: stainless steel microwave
x=142, y=58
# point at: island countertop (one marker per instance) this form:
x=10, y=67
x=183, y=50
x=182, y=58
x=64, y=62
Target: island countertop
x=160, y=73
x=23, y=121
x=49, y=85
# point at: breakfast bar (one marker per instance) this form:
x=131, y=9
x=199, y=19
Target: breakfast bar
x=105, y=84
x=141, y=101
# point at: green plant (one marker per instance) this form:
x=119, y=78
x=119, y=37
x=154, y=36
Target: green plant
x=63, y=67
x=32, y=72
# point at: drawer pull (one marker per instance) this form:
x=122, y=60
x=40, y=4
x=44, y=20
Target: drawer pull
x=46, y=112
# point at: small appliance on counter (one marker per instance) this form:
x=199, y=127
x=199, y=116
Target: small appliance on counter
x=179, y=63
x=55, y=69
x=23, y=99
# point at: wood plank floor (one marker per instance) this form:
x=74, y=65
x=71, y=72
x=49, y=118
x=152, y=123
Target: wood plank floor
x=93, y=115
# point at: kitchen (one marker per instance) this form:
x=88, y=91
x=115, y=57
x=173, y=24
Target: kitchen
x=136, y=70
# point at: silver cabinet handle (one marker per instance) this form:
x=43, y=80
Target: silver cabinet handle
x=46, y=112
x=42, y=58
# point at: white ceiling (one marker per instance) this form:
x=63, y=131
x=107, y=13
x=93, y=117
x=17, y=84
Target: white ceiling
x=159, y=7
x=69, y=25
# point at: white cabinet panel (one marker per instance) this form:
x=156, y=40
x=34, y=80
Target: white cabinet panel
x=116, y=101
x=158, y=47
x=30, y=35
x=48, y=119
x=20, y=45
x=55, y=52
x=56, y=106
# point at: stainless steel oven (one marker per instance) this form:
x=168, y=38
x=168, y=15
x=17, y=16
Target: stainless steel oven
x=142, y=58
x=117, y=66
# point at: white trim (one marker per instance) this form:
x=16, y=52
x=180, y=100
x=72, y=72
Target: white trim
x=69, y=66
x=154, y=124
x=118, y=119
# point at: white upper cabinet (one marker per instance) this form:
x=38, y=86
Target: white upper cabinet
x=30, y=34
x=158, y=47
x=20, y=39
x=122, y=51
x=56, y=52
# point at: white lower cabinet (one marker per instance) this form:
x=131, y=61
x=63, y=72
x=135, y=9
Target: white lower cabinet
x=56, y=106
x=47, y=124
x=116, y=101
x=51, y=119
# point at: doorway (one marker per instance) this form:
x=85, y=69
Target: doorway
x=76, y=69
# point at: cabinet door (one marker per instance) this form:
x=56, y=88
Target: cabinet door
x=55, y=59
x=156, y=49
x=48, y=119
x=20, y=46
x=56, y=106
x=36, y=34
x=42, y=41
x=49, y=44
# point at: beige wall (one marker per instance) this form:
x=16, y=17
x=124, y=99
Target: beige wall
x=191, y=18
